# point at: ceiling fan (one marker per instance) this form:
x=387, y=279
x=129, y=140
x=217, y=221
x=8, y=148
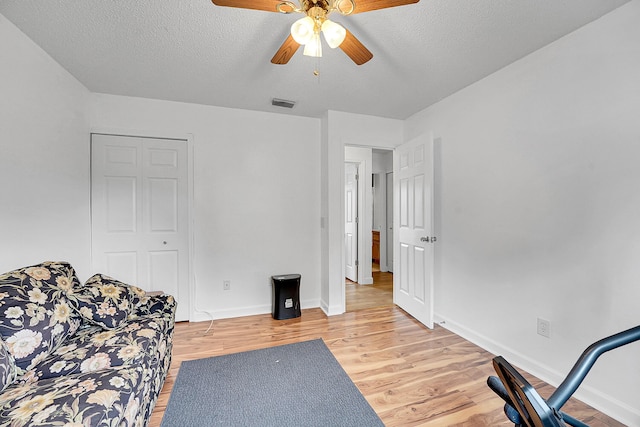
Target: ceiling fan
x=306, y=31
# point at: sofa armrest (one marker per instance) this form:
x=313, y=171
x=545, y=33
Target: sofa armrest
x=162, y=305
x=154, y=293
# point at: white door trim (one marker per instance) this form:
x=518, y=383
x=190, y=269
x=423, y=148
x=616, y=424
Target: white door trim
x=364, y=233
x=188, y=137
x=388, y=234
x=352, y=247
x=362, y=156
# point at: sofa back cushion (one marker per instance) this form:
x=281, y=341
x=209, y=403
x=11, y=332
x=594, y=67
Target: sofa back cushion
x=106, y=302
x=35, y=314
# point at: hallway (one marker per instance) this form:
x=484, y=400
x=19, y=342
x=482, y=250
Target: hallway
x=380, y=294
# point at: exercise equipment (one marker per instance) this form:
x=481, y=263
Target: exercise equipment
x=526, y=408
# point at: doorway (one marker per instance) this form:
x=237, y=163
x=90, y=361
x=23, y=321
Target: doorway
x=374, y=211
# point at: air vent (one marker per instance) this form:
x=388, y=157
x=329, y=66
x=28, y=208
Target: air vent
x=282, y=103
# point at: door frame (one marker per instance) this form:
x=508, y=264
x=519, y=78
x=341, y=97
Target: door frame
x=436, y=141
x=188, y=137
x=389, y=204
x=365, y=276
x=357, y=220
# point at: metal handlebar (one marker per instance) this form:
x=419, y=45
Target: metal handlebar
x=572, y=381
x=586, y=361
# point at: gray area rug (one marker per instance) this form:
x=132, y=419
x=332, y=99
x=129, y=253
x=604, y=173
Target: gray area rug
x=291, y=385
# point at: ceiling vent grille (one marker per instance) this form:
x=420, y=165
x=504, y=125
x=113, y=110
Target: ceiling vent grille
x=282, y=103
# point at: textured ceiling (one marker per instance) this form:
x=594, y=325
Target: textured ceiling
x=193, y=51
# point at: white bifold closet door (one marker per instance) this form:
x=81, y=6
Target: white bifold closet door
x=139, y=213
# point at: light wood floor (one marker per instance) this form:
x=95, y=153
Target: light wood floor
x=379, y=294
x=411, y=376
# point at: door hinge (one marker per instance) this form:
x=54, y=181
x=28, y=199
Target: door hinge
x=357, y=263
x=357, y=220
x=357, y=177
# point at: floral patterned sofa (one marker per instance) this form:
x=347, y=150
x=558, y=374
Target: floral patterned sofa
x=77, y=355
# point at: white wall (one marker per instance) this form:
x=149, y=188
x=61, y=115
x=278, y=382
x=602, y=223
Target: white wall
x=44, y=151
x=382, y=161
x=540, y=207
x=256, y=196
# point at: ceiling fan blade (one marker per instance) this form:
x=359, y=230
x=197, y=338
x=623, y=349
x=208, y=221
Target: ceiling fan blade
x=355, y=50
x=367, y=5
x=286, y=51
x=268, y=5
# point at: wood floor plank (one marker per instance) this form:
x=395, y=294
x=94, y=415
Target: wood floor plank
x=411, y=376
x=379, y=294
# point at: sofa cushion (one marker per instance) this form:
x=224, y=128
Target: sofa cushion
x=108, y=398
x=35, y=315
x=106, y=302
x=8, y=369
x=92, y=348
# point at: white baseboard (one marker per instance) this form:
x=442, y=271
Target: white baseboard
x=208, y=315
x=367, y=280
x=332, y=310
x=604, y=403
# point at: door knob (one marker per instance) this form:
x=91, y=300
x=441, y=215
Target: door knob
x=164, y=242
x=424, y=239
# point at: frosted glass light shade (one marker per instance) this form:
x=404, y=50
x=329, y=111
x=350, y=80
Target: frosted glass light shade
x=334, y=33
x=302, y=30
x=314, y=47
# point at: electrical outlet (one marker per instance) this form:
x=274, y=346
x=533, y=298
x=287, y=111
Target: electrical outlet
x=226, y=285
x=544, y=327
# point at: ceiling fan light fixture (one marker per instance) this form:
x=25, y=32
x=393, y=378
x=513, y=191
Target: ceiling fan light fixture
x=302, y=30
x=333, y=33
x=313, y=47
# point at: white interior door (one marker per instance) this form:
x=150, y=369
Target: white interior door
x=389, y=224
x=413, y=189
x=139, y=212
x=351, y=221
